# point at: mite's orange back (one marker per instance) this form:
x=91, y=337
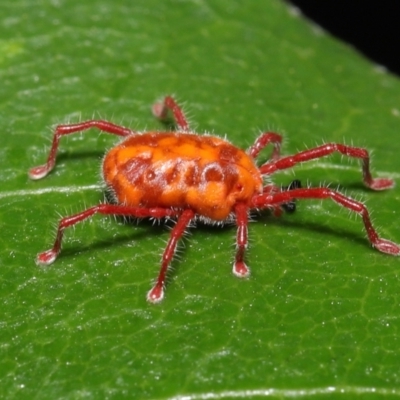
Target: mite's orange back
x=182, y=170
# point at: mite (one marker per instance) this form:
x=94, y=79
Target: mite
x=184, y=176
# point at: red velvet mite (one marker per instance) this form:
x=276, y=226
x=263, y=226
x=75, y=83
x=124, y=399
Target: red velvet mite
x=187, y=177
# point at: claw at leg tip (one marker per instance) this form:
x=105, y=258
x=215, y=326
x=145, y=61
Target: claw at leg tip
x=382, y=184
x=39, y=172
x=155, y=295
x=388, y=247
x=240, y=269
x=46, y=258
x=158, y=110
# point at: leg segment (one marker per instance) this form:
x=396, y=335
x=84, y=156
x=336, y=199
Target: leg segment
x=160, y=111
x=49, y=256
x=42, y=170
x=289, y=207
x=324, y=150
x=264, y=140
x=240, y=268
x=270, y=189
x=272, y=200
x=156, y=294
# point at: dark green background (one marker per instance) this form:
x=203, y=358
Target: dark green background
x=319, y=317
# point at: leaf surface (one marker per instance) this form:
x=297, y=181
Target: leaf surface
x=319, y=314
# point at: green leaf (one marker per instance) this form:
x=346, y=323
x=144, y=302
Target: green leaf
x=319, y=314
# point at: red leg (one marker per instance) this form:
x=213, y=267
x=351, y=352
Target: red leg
x=264, y=140
x=156, y=294
x=324, y=150
x=240, y=268
x=288, y=207
x=61, y=130
x=160, y=111
x=274, y=199
x=277, y=210
x=49, y=256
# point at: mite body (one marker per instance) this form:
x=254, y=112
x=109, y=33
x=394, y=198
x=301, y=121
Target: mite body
x=181, y=170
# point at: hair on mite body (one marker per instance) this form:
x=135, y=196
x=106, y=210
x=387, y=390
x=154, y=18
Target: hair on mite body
x=186, y=177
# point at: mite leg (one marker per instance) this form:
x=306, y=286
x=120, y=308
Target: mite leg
x=49, y=256
x=272, y=200
x=270, y=189
x=42, y=170
x=156, y=294
x=264, y=140
x=160, y=111
x=324, y=150
x=289, y=207
x=240, y=268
